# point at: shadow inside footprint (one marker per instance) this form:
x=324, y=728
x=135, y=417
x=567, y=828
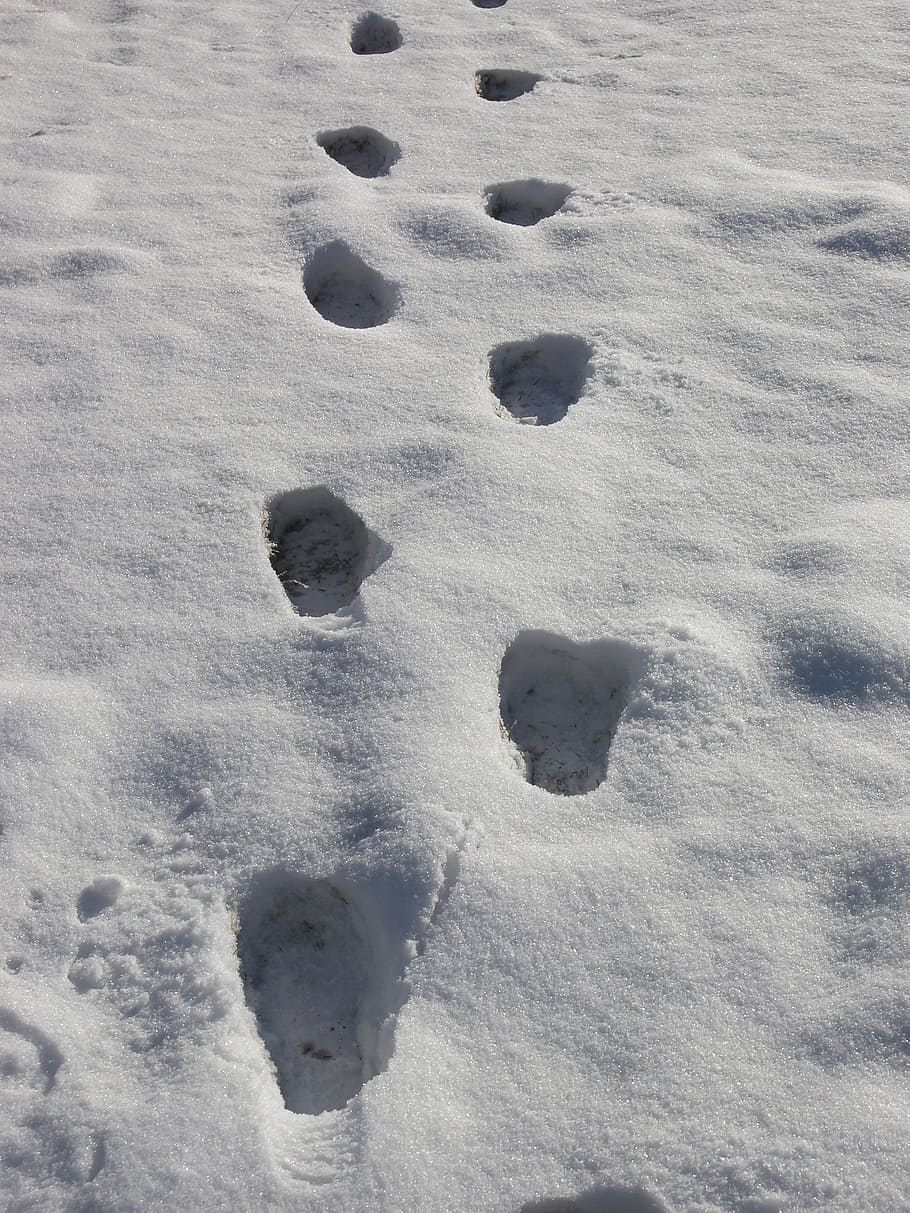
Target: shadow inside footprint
x=372, y=34
x=361, y=150
x=612, y=1199
x=320, y=549
x=888, y=240
x=835, y=661
x=100, y=895
x=345, y=291
x=488, y=3
x=503, y=84
x=537, y=382
x=560, y=705
x=306, y=965
x=525, y=202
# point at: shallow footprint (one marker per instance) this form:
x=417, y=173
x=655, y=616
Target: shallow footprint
x=320, y=549
x=560, y=704
x=361, y=150
x=27, y=1055
x=372, y=34
x=525, y=202
x=503, y=84
x=345, y=291
x=537, y=382
x=612, y=1199
x=306, y=966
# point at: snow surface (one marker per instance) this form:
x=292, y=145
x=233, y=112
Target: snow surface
x=251, y=263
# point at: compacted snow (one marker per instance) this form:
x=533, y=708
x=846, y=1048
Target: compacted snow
x=455, y=685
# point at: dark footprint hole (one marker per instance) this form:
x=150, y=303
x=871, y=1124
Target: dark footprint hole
x=320, y=549
x=500, y=84
x=537, y=382
x=100, y=895
x=306, y=965
x=372, y=34
x=345, y=291
x=361, y=150
x=560, y=704
x=488, y=3
x=525, y=202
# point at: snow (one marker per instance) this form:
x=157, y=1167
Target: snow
x=570, y=788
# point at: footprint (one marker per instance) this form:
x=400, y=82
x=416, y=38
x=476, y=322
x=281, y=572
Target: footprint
x=122, y=11
x=870, y=894
x=76, y=266
x=612, y=1199
x=864, y=1032
x=488, y=3
x=560, y=705
x=885, y=240
x=126, y=55
x=100, y=895
x=345, y=291
x=27, y=1054
x=451, y=232
x=47, y=1156
x=321, y=550
x=537, y=382
x=502, y=84
x=842, y=661
x=307, y=969
x=363, y=151
x=525, y=202
x=375, y=35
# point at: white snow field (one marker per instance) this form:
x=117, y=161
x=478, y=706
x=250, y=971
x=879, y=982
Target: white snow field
x=455, y=570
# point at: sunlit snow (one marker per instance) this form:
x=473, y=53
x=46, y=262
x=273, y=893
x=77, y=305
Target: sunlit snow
x=455, y=683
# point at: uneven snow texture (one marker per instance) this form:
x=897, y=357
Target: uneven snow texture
x=454, y=579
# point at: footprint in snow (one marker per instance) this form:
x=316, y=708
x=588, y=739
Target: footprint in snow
x=611, y=1199
x=324, y=1007
x=525, y=202
x=870, y=896
x=883, y=238
x=346, y=291
x=503, y=84
x=28, y=1056
x=839, y=661
x=42, y=1149
x=361, y=150
x=308, y=972
x=122, y=11
x=320, y=549
x=537, y=382
x=372, y=34
x=100, y=895
x=488, y=3
x=560, y=706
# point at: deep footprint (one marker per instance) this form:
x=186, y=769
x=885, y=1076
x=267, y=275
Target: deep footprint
x=537, y=382
x=306, y=965
x=320, y=549
x=488, y=3
x=525, y=202
x=361, y=150
x=560, y=705
x=345, y=291
x=372, y=34
x=502, y=84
